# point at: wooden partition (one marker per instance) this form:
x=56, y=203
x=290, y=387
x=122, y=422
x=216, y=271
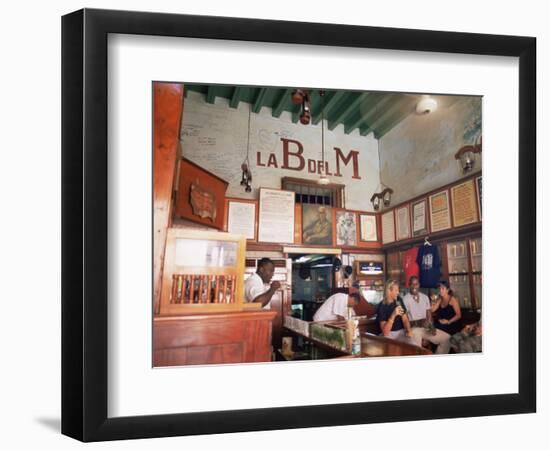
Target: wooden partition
x=213, y=338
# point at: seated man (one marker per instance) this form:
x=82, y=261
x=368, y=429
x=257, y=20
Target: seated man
x=420, y=316
x=468, y=340
x=336, y=307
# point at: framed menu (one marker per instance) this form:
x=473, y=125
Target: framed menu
x=367, y=227
x=276, y=218
x=241, y=218
x=419, y=218
x=463, y=201
x=440, y=217
x=388, y=227
x=403, y=222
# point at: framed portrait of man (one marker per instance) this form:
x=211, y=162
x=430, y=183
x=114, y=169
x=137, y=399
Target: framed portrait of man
x=316, y=224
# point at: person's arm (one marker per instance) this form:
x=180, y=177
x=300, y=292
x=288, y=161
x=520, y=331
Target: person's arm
x=407, y=324
x=265, y=298
x=435, y=306
x=386, y=325
x=456, y=307
x=323, y=234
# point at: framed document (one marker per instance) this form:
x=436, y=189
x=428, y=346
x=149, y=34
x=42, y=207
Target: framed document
x=419, y=218
x=346, y=228
x=388, y=227
x=403, y=222
x=368, y=227
x=479, y=203
x=440, y=216
x=276, y=221
x=110, y=59
x=463, y=201
x=241, y=218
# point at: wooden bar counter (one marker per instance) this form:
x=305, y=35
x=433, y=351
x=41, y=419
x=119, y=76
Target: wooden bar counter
x=212, y=338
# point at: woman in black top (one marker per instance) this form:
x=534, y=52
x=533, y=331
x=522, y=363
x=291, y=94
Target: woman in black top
x=448, y=310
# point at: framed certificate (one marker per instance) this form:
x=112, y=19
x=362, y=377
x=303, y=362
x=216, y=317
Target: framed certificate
x=388, y=227
x=403, y=222
x=440, y=216
x=276, y=216
x=419, y=218
x=241, y=218
x=463, y=200
x=368, y=227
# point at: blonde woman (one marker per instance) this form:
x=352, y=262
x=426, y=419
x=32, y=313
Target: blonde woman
x=391, y=314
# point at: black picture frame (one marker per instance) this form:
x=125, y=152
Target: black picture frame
x=84, y=224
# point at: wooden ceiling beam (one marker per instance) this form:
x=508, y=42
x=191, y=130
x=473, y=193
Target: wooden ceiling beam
x=393, y=115
x=259, y=102
x=331, y=102
x=284, y=99
x=380, y=101
x=341, y=116
x=211, y=95
x=236, y=97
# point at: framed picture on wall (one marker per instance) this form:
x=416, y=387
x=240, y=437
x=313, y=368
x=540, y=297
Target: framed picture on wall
x=388, y=227
x=317, y=225
x=419, y=213
x=368, y=227
x=346, y=228
x=440, y=215
x=276, y=216
x=109, y=57
x=242, y=217
x=403, y=222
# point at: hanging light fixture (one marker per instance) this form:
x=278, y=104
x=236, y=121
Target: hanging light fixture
x=382, y=197
x=246, y=176
x=323, y=179
x=466, y=156
x=301, y=97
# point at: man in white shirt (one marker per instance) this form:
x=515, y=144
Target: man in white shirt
x=420, y=315
x=257, y=288
x=336, y=307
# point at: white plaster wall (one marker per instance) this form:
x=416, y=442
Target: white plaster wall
x=418, y=154
x=214, y=136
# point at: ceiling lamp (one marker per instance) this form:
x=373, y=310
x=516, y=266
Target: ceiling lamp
x=323, y=179
x=466, y=156
x=426, y=105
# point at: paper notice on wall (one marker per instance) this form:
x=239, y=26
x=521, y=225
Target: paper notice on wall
x=388, y=227
x=439, y=211
x=276, y=221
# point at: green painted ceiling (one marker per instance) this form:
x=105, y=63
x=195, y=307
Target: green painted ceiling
x=376, y=112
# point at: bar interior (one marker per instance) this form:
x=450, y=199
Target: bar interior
x=296, y=223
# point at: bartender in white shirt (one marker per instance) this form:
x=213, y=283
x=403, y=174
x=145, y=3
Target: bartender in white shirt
x=257, y=288
x=336, y=307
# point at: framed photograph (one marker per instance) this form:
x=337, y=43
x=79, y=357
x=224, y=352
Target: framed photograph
x=242, y=218
x=346, y=228
x=388, y=227
x=317, y=226
x=403, y=222
x=111, y=64
x=368, y=227
x=419, y=218
x=276, y=216
x=440, y=212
